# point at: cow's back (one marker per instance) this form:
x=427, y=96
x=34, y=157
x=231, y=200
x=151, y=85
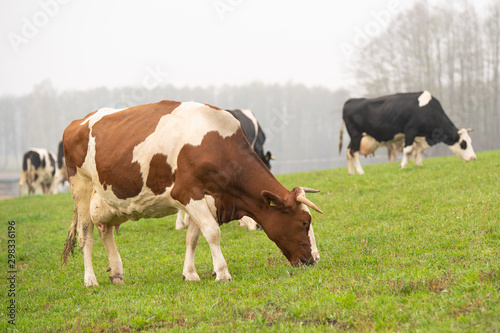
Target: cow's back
x=382, y=117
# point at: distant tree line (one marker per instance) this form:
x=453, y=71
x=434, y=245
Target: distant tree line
x=450, y=50
x=301, y=123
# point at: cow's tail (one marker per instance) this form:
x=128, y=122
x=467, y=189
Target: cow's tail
x=69, y=245
x=341, y=136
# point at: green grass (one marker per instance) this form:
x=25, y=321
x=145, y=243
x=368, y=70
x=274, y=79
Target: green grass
x=401, y=250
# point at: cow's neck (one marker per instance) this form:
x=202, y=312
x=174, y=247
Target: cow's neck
x=446, y=131
x=249, y=200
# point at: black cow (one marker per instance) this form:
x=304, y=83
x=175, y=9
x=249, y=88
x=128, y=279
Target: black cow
x=253, y=133
x=412, y=117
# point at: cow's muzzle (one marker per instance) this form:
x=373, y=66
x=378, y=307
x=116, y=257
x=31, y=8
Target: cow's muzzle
x=309, y=261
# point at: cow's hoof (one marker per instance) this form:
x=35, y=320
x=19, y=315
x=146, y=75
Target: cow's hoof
x=90, y=281
x=116, y=279
x=191, y=277
x=224, y=278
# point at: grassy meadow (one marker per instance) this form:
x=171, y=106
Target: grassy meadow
x=412, y=250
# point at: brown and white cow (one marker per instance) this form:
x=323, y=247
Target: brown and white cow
x=39, y=171
x=151, y=160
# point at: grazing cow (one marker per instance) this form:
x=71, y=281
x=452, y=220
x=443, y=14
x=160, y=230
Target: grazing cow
x=39, y=170
x=254, y=133
x=412, y=117
x=151, y=160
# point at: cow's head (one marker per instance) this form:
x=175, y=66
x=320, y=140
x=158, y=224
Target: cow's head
x=288, y=224
x=463, y=147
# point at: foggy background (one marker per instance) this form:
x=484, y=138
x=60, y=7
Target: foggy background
x=293, y=64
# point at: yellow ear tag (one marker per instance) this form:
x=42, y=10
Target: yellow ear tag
x=272, y=203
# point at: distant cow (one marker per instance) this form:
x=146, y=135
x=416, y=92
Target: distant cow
x=412, y=117
x=150, y=160
x=39, y=170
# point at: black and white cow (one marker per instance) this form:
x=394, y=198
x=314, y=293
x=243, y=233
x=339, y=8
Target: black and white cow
x=412, y=117
x=42, y=168
x=39, y=170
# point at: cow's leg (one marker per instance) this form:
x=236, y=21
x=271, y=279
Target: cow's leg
x=85, y=230
x=115, y=262
x=357, y=164
x=192, y=236
x=407, y=149
x=81, y=189
x=419, y=149
x=200, y=214
x=406, y=155
x=181, y=221
x=350, y=167
x=22, y=181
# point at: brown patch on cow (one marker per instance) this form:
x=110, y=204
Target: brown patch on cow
x=116, y=135
x=75, y=144
x=213, y=107
x=160, y=174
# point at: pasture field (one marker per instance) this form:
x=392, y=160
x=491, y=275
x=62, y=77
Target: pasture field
x=412, y=250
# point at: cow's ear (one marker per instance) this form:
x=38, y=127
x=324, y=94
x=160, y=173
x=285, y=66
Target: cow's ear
x=272, y=200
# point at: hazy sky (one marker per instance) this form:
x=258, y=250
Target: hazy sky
x=86, y=44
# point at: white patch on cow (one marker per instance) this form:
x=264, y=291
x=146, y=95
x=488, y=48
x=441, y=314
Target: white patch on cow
x=467, y=154
x=99, y=114
x=312, y=239
x=186, y=125
x=314, y=248
x=424, y=98
x=252, y=117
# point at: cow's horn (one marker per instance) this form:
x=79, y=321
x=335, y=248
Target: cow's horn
x=307, y=202
x=309, y=190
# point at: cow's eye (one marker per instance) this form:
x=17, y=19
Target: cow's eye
x=463, y=145
x=305, y=224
